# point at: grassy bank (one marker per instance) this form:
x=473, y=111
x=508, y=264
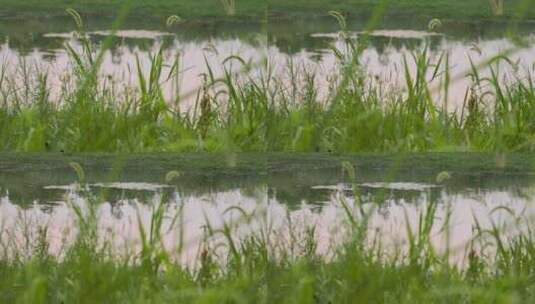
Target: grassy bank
x=266, y=113
x=259, y=8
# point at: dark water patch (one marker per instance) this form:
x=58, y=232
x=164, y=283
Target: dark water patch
x=289, y=177
x=290, y=35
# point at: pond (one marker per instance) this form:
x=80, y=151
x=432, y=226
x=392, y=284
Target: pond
x=279, y=48
x=293, y=193
x=290, y=194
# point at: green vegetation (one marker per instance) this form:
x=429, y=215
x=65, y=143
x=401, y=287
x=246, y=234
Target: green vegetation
x=230, y=269
x=439, y=8
x=239, y=113
x=267, y=112
x=259, y=8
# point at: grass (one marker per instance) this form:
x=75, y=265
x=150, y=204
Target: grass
x=236, y=112
x=258, y=8
x=241, y=113
x=234, y=269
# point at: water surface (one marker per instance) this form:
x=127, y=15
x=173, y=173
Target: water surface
x=289, y=194
x=288, y=47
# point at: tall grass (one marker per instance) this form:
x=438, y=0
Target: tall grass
x=265, y=266
x=263, y=113
x=269, y=112
x=245, y=113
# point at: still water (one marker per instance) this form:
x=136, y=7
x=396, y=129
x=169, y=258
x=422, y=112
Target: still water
x=284, y=198
x=289, y=196
x=279, y=49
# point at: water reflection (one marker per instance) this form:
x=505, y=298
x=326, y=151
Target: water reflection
x=257, y=213
x=285, y=193
x=305, y=43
